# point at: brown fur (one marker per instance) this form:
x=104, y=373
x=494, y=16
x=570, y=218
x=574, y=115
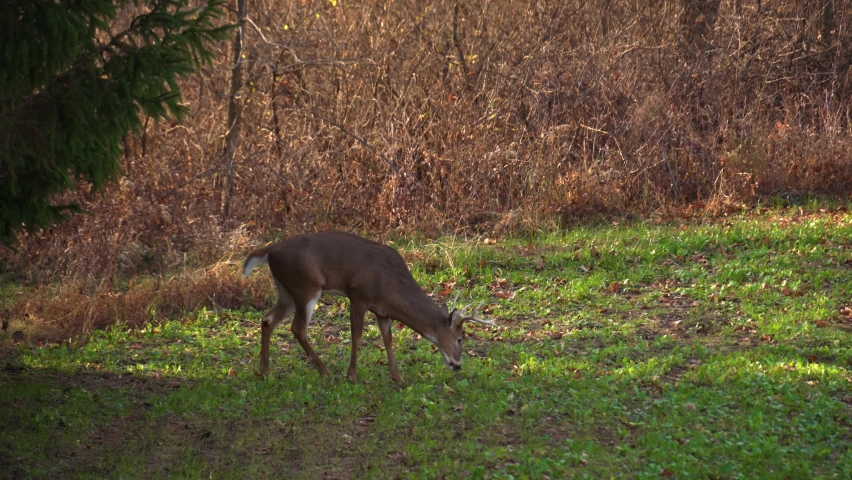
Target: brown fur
x=372, y=275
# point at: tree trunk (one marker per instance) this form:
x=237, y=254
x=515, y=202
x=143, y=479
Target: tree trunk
x=232, y=138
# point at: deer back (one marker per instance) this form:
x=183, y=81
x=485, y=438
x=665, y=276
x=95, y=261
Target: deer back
x=361, y=269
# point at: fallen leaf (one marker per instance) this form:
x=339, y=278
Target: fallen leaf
x=366, y=420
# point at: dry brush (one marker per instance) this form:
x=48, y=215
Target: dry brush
x=470, y=116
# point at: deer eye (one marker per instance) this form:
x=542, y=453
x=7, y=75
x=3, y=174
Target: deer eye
x=459, y=341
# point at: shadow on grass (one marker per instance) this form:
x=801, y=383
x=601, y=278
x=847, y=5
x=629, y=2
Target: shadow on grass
x=69, y=424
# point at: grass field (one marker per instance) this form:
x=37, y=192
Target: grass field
x=714, y=350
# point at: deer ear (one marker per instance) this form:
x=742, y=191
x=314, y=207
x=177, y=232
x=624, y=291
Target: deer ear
x=456, y=319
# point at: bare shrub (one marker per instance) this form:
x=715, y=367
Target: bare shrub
x=438, y=116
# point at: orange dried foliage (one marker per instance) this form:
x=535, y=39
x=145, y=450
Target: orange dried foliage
x=497, y=117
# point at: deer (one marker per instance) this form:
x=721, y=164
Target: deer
x=373, y=276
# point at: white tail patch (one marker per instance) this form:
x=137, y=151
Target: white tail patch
x=252, y=262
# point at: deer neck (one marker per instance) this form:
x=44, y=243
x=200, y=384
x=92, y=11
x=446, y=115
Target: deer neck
x=419, y=312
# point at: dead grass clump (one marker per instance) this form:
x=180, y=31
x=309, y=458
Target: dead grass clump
x=59, y=312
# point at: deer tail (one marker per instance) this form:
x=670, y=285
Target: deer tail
x=255, y=258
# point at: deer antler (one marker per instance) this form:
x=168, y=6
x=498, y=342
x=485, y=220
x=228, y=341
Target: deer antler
x=490, y=323
x=472, y=318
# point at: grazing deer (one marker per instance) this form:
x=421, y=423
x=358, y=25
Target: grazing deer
x=372, y=275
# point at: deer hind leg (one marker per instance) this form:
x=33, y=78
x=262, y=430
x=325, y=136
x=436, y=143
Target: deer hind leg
x=387, y=338
x=356, y=321
x=284, y=306
x=304, y=312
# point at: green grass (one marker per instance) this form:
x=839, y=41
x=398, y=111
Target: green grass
x=642, y=351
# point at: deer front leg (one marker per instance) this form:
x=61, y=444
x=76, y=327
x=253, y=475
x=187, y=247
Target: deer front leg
x=387, y=338
x=356, y=321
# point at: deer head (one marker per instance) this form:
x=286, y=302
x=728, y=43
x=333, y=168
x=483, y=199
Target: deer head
x=450, y=343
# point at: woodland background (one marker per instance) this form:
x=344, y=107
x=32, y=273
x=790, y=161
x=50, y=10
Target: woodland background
x=437, y=117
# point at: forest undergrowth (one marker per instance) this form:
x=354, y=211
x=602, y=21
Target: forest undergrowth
x=473, y=119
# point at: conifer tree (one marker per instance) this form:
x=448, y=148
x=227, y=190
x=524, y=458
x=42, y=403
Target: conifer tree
x=74, y=80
